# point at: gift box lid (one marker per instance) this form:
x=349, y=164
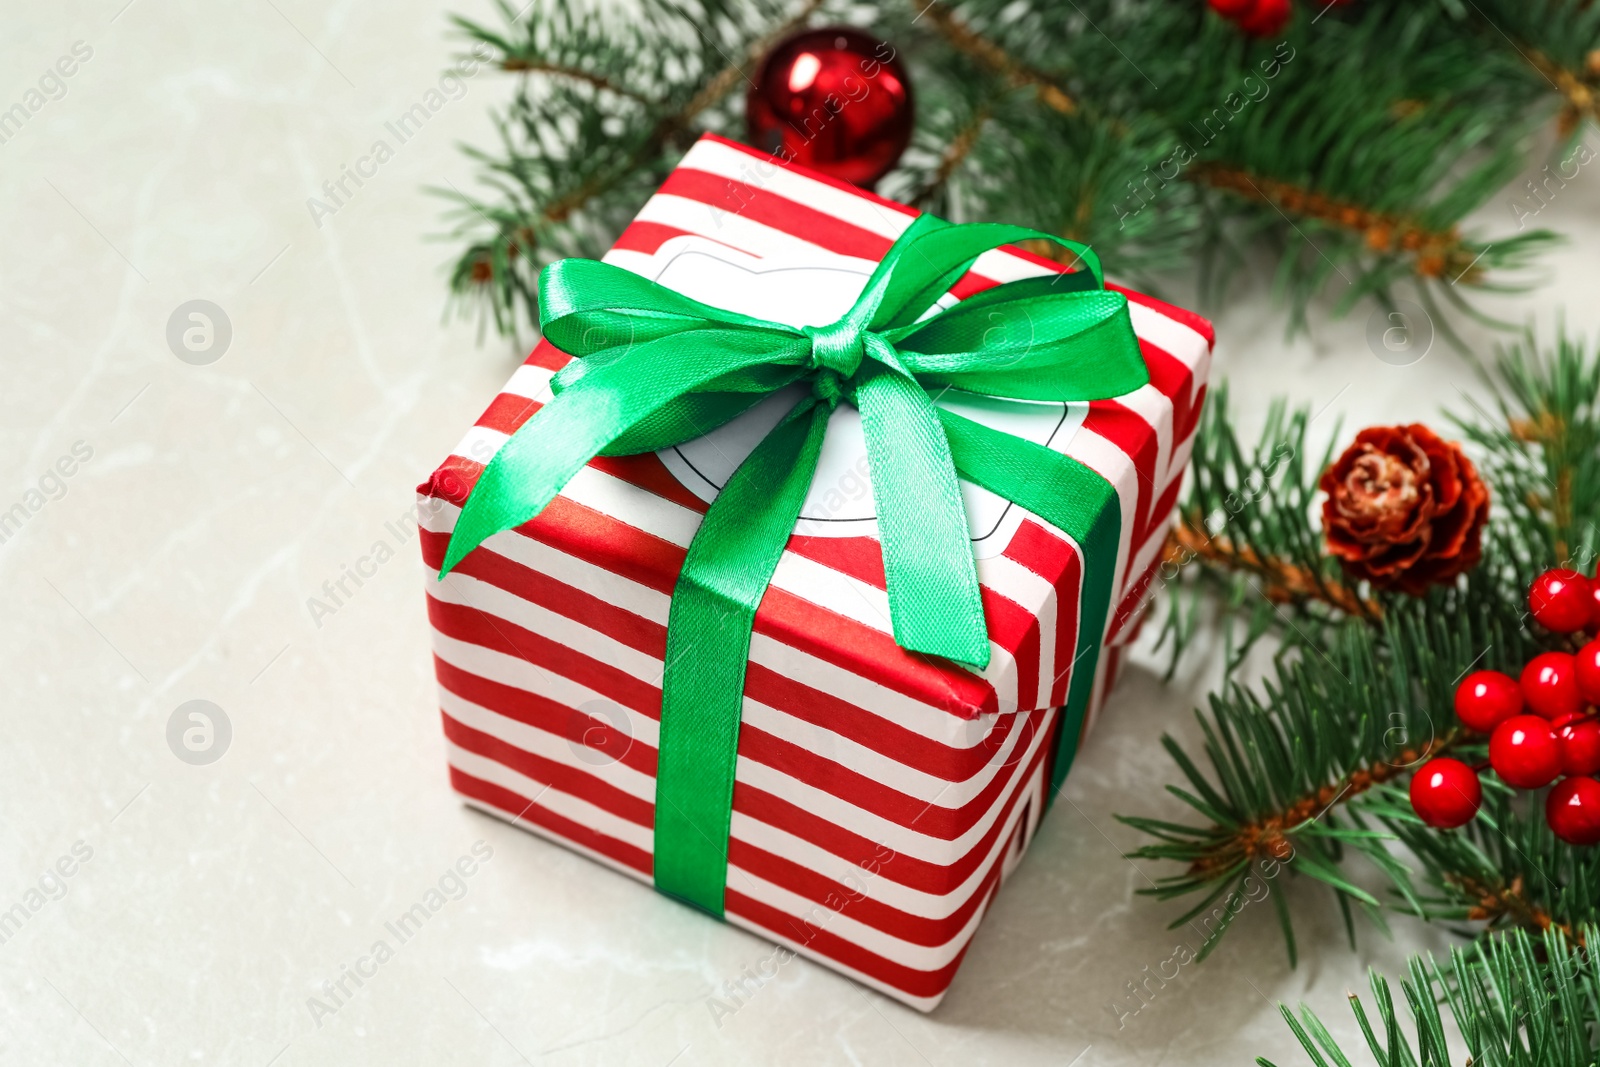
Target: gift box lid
x=735, y=228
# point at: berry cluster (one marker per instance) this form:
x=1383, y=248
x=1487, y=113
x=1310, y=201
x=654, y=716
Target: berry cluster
x=1541, y=726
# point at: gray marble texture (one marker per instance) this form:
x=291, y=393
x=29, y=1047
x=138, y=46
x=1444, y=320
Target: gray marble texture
x=187, y=512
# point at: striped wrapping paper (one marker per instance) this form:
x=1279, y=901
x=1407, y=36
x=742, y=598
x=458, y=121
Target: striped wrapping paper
x=880, y=798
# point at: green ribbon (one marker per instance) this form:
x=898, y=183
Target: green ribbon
x=658, y=369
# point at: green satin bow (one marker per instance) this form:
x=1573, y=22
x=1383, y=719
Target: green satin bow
x=658, y=369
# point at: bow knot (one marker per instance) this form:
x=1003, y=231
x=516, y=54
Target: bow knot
x=836, y=353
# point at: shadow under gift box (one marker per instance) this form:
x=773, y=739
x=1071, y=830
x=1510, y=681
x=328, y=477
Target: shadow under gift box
x=880, y=797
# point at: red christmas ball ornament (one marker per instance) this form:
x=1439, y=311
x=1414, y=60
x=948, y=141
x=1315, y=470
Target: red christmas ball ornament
x=1232, y=9
x=1563, y=601
x=835, y=100
x=1485, y=699
x=1266, y=18
x=1580, y=745
x=1550, y=684
x=1587, y=671
x=1524, y=752
x=1594, y=604
x=1445, y=793
x=1573, y=810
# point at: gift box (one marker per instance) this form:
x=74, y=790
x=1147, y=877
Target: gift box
x=879, y=796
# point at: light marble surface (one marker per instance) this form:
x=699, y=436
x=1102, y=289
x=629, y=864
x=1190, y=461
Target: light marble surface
x=216, y=899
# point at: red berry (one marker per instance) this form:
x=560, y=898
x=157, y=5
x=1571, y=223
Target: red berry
x=1573, y=810
x=1588, y=672
x=1580, y=745
x=1562, y=600
x=1232, y=9
x=1594, y=604
x=1485, y=699
x=1550, y=684
x=1266, y=19
x=1524, y=752
x=1445, y=793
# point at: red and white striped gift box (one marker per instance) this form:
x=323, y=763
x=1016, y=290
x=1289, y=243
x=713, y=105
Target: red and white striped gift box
x=880, y=798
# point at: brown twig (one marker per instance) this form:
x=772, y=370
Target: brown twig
x=729, y=76
x=1496, y=903
x=1284, y=581
x=997, y=59
x=1582, y=101
x=518, y=65
x=1538, y=430
x=1268, y=838
x=955, y=152
x=1076, y=230
x=1434, y=253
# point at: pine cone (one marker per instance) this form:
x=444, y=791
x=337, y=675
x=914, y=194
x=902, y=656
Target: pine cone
x=1404, y=509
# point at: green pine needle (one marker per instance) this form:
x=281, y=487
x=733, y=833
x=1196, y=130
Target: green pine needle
x=1517, y=1000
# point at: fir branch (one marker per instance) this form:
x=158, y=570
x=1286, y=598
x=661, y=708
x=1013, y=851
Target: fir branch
x=1270, y=837
x=1504, y=868
x=1541, y=451
x=1304, y=762
x=1377, y=197
x=1308, y=766
x=1368, y=136
x=1516, y=1001
x=1367, y=188
x=1556, y=41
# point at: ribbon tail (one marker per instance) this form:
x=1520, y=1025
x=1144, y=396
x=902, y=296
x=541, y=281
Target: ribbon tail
x=725, y=573
x=1079, y=502
x=935, y=603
